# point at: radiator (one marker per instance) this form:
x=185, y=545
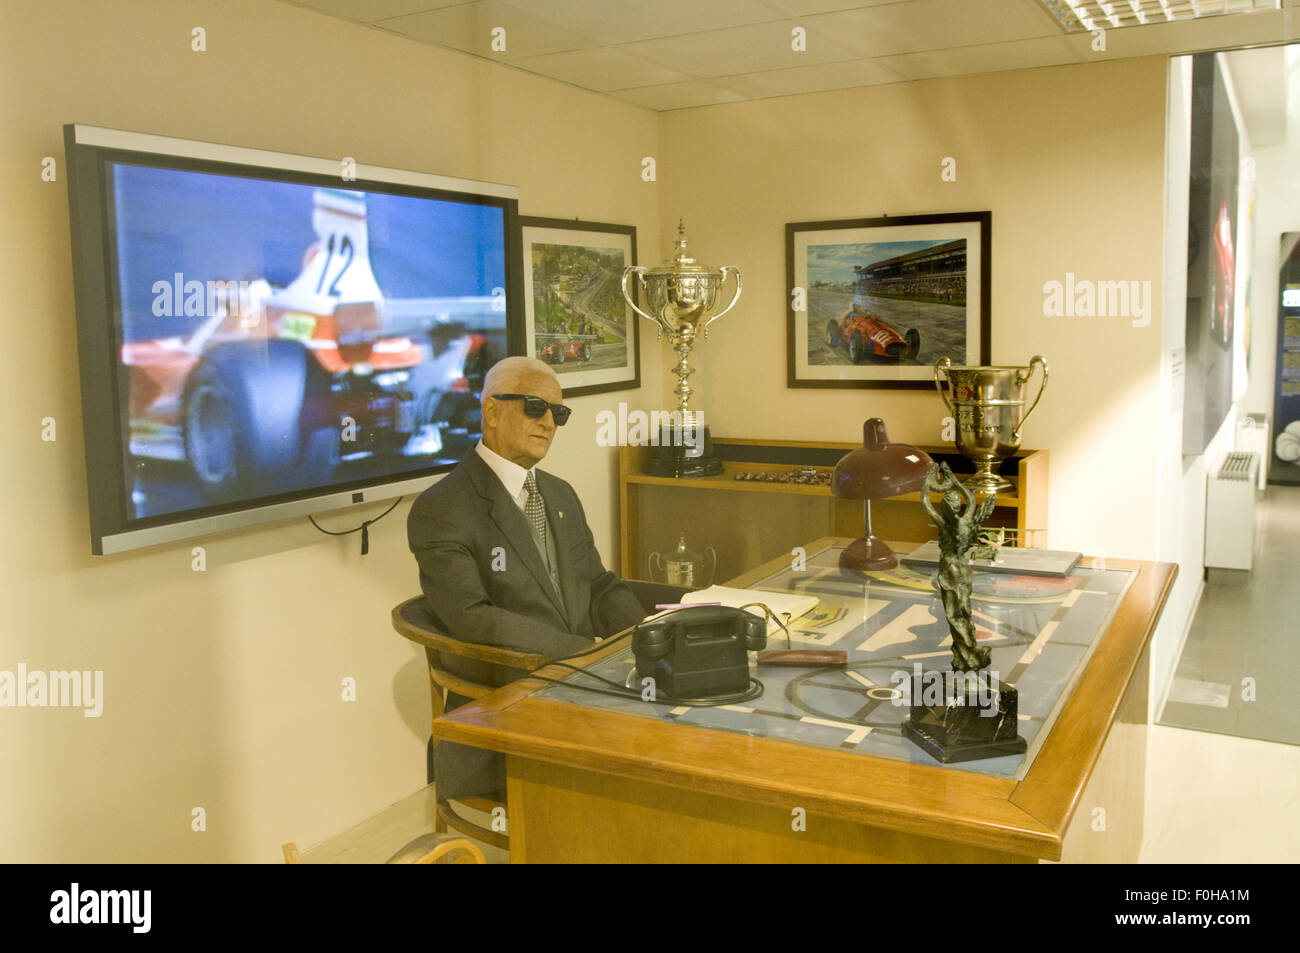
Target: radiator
x=1253, y=436
x=1230, y=512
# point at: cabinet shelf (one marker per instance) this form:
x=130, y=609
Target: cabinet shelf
x=745, y=529
x=726, y=481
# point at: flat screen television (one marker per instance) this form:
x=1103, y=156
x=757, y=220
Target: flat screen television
x=264, y=335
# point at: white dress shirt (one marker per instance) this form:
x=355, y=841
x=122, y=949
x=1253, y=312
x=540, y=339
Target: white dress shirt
x=511, y=474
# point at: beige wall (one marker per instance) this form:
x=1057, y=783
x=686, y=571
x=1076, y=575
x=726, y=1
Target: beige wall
x=222, y=689
x=1069, y=160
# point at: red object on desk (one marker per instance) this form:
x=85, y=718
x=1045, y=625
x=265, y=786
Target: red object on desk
x=803, y=658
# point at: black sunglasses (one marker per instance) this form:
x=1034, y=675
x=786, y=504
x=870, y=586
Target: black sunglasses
x=536, y=408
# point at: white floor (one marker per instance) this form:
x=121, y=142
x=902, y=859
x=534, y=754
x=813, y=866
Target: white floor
x=1214, y=798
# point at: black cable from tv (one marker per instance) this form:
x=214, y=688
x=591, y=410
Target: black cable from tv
x=364, y=528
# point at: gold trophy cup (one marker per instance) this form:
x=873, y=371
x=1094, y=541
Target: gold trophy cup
x=987, y=402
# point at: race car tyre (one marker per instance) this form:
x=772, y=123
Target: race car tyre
x=456, y=409
x=478, y=363
x=241, y=420
x=320, y=455
x=913, y=342
x=559, y=354
x=586, y=353
x=857, y=347
x=832, y=335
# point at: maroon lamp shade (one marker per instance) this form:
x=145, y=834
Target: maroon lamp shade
x=876, y=471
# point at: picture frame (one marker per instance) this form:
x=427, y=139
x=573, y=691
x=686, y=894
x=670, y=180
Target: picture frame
x=575, y=317
x=874, y=302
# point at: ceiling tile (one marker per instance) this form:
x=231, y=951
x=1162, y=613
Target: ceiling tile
x=801, y=8
x=601, y=69
x=935, y=24
x=368, y=11
x=672, y=54
x=469, y=27
x=985, y=58
x=812, y=79
x=747, y=49
x=679, y=95
x=622, y=22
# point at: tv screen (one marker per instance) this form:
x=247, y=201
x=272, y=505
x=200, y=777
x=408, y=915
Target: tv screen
x=1211, y=258
x=263, y=335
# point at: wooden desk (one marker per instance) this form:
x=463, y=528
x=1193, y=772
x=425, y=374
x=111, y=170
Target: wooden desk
x=588, y=785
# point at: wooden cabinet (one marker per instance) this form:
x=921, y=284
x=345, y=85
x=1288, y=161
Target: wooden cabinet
x=749, y=523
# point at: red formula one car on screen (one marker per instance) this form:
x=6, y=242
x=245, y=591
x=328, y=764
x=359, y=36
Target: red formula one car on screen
x=865, y=335
x=278, y=387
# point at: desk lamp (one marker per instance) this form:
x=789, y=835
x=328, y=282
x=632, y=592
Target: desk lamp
x=876, y=471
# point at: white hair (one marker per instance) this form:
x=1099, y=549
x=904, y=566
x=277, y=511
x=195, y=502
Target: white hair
x=505, y=375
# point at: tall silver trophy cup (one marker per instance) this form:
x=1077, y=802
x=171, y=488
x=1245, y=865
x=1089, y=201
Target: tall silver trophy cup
x=987, y=404
x=683, y=298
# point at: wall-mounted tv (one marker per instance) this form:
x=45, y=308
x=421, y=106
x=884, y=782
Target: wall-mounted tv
x=264, y=335
x=1211, y=255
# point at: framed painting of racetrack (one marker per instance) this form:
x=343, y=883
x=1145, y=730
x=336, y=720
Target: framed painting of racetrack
x=575, y=318
x=875, y=302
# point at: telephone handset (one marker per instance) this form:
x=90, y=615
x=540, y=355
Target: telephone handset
x=699, y=651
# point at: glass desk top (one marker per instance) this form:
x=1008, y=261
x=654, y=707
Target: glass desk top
x=1041, y=631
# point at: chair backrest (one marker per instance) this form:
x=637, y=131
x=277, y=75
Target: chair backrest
x=491, y=667
x=495, y=666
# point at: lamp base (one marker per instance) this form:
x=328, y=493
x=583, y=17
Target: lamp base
x=868, y=553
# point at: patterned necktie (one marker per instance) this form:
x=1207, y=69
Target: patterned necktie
x=535, y=510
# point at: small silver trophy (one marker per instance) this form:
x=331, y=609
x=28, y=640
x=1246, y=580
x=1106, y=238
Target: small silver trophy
x=682, y=296
x=987, y=403
x=684, y=567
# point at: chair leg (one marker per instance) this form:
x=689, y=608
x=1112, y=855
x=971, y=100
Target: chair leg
x=439, y=825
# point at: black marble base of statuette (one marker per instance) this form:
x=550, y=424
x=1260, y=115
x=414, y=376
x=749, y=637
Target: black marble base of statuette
x=952, y=732
x=673, y=458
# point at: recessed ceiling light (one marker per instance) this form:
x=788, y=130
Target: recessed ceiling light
x=1077, y=16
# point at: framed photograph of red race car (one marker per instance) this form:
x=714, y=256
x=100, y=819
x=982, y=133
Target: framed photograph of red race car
x=575, y=318
x=875, y=302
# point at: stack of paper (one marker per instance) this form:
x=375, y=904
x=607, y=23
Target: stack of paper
x=1012, y=559
x=786, y=606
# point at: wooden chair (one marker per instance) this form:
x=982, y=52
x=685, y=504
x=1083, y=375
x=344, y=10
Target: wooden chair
x=411, y=619
x=425, y=849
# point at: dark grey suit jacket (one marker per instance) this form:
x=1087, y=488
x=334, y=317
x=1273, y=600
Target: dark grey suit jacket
x=458, y=529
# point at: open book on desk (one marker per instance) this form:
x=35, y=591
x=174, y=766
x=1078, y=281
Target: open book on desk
x=787, y=606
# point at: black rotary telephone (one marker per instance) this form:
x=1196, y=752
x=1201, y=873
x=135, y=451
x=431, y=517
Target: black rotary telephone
x=699, y=651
